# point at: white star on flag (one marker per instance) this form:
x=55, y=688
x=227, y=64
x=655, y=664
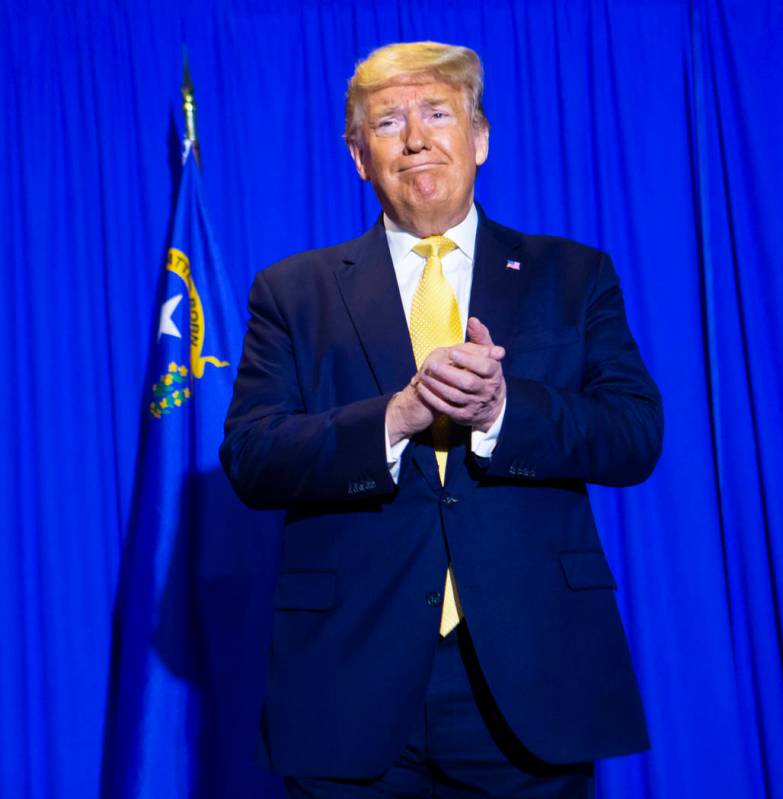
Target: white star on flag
x=167, y=325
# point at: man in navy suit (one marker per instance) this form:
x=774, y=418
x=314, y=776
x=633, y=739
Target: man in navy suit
x=444, y=621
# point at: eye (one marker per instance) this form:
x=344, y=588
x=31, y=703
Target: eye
x=440, y=116
x=386, y=126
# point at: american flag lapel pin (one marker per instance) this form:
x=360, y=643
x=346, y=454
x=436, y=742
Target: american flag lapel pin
x=513, y=265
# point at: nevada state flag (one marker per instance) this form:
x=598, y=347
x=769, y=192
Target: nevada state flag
x=185, y=578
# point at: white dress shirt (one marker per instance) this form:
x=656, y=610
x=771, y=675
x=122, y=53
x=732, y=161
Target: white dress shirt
x=458, y=270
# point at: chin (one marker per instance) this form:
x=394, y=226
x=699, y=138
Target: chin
x=442, y=207
x=435, y=199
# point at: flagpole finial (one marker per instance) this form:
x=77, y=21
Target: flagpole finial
x=189, y=107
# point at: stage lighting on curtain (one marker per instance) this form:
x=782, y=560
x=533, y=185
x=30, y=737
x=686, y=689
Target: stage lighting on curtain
x=157, y=708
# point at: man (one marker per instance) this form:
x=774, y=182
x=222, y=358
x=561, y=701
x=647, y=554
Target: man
x=444, y=621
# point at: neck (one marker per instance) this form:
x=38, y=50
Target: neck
x=435, y=223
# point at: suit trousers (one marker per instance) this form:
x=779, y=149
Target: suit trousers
x=460, y=746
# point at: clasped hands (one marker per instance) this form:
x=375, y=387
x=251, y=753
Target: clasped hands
x=464, y=382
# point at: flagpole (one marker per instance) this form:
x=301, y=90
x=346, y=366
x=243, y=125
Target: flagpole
x=190, y=141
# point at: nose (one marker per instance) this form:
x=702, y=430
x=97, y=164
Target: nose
x=415, y=138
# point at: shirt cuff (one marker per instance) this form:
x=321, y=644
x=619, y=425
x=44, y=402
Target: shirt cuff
x=394, y=454
x=481, y=444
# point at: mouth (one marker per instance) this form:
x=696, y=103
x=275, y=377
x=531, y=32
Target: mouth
x=422, y=166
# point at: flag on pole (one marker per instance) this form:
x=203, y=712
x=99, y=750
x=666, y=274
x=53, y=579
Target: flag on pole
x=155, y=717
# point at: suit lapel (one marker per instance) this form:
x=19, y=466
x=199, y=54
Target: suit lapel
x=495, y=295
x=498, y=287
x=369, y=289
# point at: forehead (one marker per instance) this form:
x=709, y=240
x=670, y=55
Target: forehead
x=413, y=91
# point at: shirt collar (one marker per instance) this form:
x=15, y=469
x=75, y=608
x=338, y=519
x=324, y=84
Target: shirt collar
x=401, y=242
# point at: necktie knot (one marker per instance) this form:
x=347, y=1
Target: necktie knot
x=434, y=247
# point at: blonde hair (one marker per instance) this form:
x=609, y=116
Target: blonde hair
x=458, y=66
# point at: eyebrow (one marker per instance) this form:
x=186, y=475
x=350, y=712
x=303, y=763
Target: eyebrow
x=433, y=101
x=427, y=102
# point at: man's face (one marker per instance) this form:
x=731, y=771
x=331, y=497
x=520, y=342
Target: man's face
x=420, y=151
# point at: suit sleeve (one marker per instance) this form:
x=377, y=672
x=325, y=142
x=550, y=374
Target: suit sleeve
x=275, y=453
x=609, y=431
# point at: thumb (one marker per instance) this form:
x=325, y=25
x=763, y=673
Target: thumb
x=478, y=333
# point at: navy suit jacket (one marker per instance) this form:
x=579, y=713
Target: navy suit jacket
x=357, y=605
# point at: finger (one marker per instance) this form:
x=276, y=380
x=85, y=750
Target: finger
x=437, y=356
x=478, y=332
x=462, y=415
x=451, y=394
x=473, y=349
x=460, y=378
x=494, y=351
x=480, y=365
x=434, y=402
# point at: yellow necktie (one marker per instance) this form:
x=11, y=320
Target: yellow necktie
x=435, y=322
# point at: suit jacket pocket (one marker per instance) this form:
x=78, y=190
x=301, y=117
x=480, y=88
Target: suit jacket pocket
x=312, y=590
x=583, y=570
x=543, y=338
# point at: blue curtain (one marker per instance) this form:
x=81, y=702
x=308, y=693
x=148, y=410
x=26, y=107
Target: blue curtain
x=650, y=128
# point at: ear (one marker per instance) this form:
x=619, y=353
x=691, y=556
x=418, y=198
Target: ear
x=358, y=158
x=481, y=142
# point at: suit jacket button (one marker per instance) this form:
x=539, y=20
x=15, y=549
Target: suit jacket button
x=447, y=499
x=433, y=599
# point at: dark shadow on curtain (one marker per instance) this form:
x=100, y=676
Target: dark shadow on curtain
x=214, y=627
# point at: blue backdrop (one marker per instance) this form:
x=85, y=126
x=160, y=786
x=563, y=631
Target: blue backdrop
x=650, y=128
